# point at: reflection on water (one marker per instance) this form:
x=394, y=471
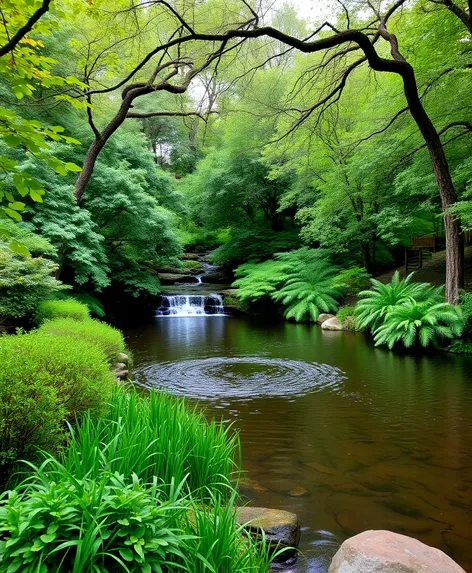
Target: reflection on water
x=379, y=440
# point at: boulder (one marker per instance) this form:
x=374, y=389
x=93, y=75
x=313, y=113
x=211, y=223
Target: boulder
x=323, y=317
x=191, y=256
x=388, y=552
x=332, y=324
x=124, y=358
x=122, y=374
x=119, y=366
x=175, y=278
x=280, y=527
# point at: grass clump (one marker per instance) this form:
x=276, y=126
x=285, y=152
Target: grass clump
x=46, y=381
x=156, y=436
x=66, y=308
x=108, y=339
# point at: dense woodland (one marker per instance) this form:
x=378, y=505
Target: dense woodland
x=155, y=128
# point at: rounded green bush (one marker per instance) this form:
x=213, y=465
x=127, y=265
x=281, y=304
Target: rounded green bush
x=46, y=381
x=66, y=308
x=108, y=339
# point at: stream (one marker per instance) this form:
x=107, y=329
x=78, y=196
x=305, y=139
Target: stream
x=348, y=436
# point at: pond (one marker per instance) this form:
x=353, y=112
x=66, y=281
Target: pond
x=348, y=436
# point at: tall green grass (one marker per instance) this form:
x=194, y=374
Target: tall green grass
x=156, y=435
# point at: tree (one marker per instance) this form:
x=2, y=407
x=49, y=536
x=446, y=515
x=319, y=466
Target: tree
x=339, y=47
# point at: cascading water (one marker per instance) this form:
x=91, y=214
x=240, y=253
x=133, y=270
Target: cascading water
x=191, y=305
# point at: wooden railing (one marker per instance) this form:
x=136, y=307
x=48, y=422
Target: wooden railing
x=424, y=242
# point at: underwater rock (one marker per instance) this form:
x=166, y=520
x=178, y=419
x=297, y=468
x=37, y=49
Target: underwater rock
x=250, y=485
x=298, y=491
x=378, y=551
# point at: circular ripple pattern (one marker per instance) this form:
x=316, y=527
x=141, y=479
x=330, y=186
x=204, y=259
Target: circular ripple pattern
x=241, y=377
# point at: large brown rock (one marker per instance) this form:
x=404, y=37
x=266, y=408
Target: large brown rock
x=388, y=552
x=280, y=527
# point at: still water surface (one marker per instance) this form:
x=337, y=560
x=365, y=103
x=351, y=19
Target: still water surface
x=379, y=440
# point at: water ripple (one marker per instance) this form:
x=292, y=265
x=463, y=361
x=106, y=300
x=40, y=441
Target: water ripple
x=241, y=377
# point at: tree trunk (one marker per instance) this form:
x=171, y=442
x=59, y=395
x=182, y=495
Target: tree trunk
x=98, y=144
x=447, y=192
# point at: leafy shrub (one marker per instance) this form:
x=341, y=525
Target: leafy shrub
x=352, y=280
x=301, y=280
x=466, y=305
x=24, y=280
x=420, y=322
x=346, y=317
x=461, y=347
x=155, y=436
x=383, y=298
x=45, y=381
x=66, y=308
x=108, y=339
x=59, y=522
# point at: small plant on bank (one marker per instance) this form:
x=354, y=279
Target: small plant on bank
x=383, y=298
x=65, y=308
x=108, y=339
x=346, y=317
x=46, y=381
x=420, y=322
x=464, y=344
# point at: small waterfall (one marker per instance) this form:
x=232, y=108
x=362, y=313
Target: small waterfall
x=191, y=305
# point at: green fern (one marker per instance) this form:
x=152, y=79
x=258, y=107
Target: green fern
x=383, y=298
x=308, y=289
x=258, y=280
x=301, y=280
x=422, y=322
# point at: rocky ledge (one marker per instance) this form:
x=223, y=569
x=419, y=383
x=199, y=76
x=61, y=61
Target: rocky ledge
x=387, y=552
x=281, y=528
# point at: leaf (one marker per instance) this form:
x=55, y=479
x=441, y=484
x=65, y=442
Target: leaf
x=126, y=553
x=73, y=167
x=19, y=248
x=12, y=214
x=16, y=206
